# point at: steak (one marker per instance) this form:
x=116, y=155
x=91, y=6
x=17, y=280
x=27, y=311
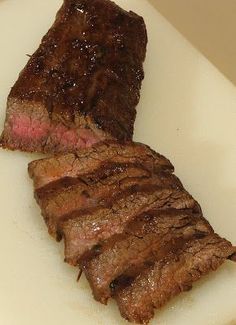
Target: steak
x=84, y=231
x=170, y=276
x=127, y=223
x=146, y=239
x=84, y=161
x=82, y=84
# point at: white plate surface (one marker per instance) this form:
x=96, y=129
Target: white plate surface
x=187, y=112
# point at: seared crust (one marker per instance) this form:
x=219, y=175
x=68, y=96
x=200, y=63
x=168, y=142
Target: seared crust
x=86, y=74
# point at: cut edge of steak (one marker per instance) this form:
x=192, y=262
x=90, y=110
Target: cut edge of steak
x=28, y=127
x=82, y=84
x=169, y=277
x=84, y=161
x=146, y=239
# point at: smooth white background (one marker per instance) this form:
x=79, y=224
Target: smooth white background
x=187, y=112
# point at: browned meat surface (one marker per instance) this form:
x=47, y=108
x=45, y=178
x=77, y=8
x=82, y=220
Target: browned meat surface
x=82, y=84
x=128, y=223
x=83, y=231
x=102, y=175
x=170, y=276
x=84, y=161
x=58, y=204
x=146, y=239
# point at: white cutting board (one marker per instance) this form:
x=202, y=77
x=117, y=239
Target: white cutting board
x=187, y=112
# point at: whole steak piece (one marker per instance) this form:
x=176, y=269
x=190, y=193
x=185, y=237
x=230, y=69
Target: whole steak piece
x=82, y=84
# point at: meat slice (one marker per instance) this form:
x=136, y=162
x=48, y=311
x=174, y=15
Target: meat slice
x=128, y=223
x=58, y=204
x=170, y=276
x=83, y=231
x=82, y=84
x=84, y=161
x=146, y=239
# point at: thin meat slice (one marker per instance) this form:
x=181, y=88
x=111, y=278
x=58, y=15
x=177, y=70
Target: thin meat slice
x=149, y=237
x=82, y=84
x=83, y=231
x=60, y=203
x=100, y=175
x=170, y=276
x=84, y=161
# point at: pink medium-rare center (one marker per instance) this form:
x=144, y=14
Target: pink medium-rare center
x=23, y=129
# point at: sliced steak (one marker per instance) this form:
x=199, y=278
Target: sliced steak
x=83, y=231
x=82, y=84
x=84, y=161
x=170, y=276
x=128, y=223
x=60, y=203
x=149, y=237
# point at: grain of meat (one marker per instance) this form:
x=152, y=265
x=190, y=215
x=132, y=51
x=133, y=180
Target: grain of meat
x=170, y=276
x=146, y=239
x=45, y=171
x=84, y=231
x=86, y=193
